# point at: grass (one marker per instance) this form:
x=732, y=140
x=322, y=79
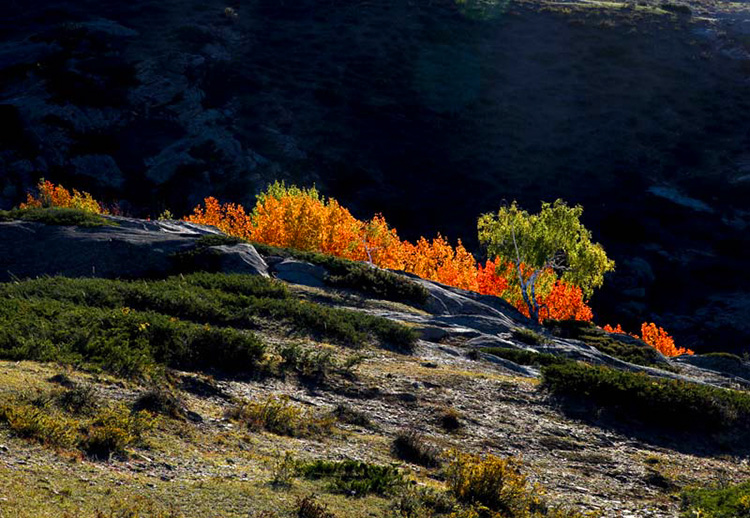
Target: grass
x=717, y=502
x=199, y=321
x=280, y=416
x=354, y=478
x=627, y=349
x=57, y=216
x=523, y=357
x=672, y=404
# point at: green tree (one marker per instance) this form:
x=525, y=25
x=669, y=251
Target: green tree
x=554, y=242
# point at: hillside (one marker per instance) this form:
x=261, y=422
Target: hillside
x=133, y=383
x=429, y=111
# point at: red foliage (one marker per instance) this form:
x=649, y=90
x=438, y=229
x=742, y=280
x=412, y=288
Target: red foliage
x=654, y=336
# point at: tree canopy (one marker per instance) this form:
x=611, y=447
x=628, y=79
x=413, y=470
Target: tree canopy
x=553, y=243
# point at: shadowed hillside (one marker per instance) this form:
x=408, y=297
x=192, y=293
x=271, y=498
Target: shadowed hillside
x=430, y=112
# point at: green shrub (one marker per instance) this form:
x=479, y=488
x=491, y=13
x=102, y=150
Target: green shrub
x=627, y=349
x=79, y=399
x=237, y=301
x=348, y=415
x=279, y=416
x=57, y=216
x=411, y=446
x=309, y=363
x=668, y=403
x=120, y=340
x=529, y=336
x=113, y=430
x=717, y=502
x=522, y=357
x=354, y=478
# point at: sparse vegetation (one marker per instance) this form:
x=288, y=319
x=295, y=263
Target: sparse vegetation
x=107, y=431
x=309, y=507
x=451, y=420
x=412, y=446
x=280, y=416
x=675, y=404
x=354, y=478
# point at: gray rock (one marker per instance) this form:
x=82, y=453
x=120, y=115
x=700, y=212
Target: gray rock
x=300, y=272
x=241, y=258
x=133, y=248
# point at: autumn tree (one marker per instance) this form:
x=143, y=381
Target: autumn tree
x=549, y=246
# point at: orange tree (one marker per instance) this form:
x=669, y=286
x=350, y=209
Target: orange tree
x=51, y=195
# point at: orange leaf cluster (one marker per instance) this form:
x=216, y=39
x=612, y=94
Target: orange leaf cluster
x=51, y=195
x=302, y=219
x=654, y=336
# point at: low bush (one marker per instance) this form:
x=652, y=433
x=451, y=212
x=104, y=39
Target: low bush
x=57, y=216
x=39, y=424
x=108, y=431
x=281, y=417
x=78, y=399
x=159, y=400
x=494, y=487
x=522, y=357
x=236, y=301
x=414, y=447
x=529, y=336
x=622, y=347
x=668, y=403
x=348, y=415
x=717, y=502
x=113, y=430
x=354, y=478
x=308, y=363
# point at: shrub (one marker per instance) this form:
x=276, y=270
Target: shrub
x=493, y=482
x=528, y=336
x=625, y=348
x=39, y=424
x=113, y=430
x=717, y=502
x=162, y=401
x=673, y=404
x=309, y=507
x=79, y=399
x=354, y=478
x=522, y=357
x=349, y=415
x=411, y=446
x=309, y=363
x=279, y=416
x=57, y=216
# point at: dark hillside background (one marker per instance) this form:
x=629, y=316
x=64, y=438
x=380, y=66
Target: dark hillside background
x=430, y=112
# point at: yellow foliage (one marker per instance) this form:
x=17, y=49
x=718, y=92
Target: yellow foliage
x=51, y=195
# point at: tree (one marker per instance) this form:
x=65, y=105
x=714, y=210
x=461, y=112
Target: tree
x=545, y=247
